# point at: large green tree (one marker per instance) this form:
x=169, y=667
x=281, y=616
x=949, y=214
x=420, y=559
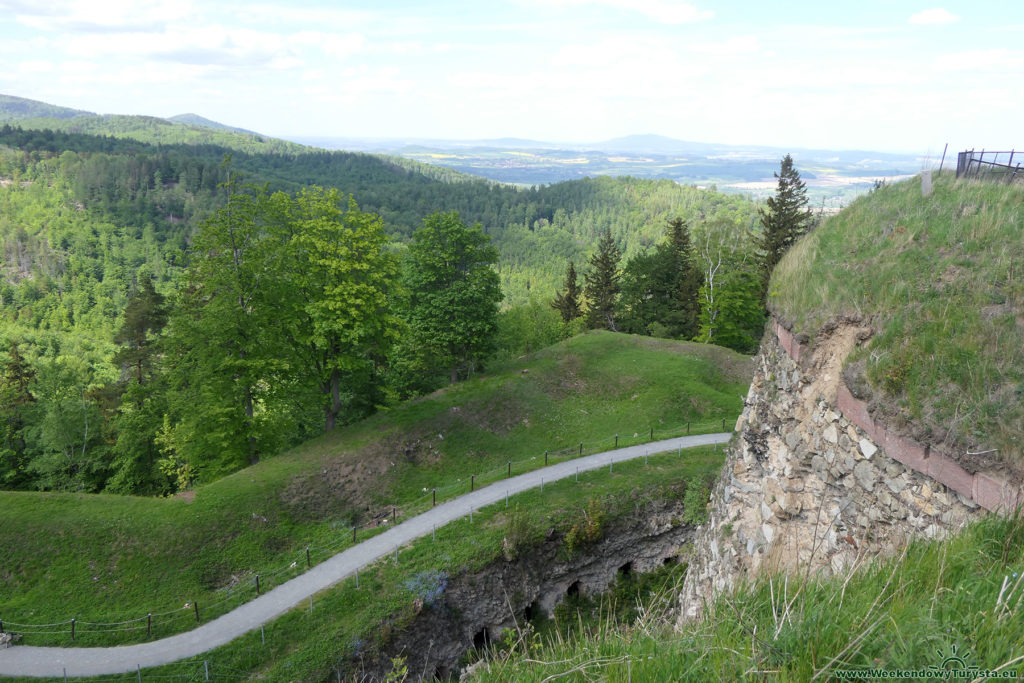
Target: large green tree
x=16, y=376
x=140, y=396
x=602, y=288
x=730, y=294
x=226, y=344
x=659, y=289
x=784, y=221
x=341, y=281
x=453, y=294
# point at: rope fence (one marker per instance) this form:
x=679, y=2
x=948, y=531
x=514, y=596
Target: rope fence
x=127, y=629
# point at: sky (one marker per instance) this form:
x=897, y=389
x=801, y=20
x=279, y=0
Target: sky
x=896, y=75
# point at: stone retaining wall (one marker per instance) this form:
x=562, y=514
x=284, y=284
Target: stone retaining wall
x=806, y=486
x=990, y=491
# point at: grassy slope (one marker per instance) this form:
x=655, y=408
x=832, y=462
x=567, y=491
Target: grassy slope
x=348, y=623
x=108, y=558
x=941, y=280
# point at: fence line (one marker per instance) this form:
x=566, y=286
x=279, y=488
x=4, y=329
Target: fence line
x=251, y=583
x=972, y=164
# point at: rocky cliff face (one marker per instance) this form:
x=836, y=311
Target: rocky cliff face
x=804, y=486
x=473, y=609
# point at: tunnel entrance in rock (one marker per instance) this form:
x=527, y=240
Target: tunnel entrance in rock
x=482, y=639
x=573, y=590
x=626, y=569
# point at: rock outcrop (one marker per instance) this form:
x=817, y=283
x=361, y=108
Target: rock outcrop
x=473, y=609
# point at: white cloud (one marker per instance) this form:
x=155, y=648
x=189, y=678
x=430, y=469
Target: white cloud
x=736, y=45
x=664, y=11
x=98, y=16
x=936, y=15
x=994, y=59
x=210, y=46
x=36, y=66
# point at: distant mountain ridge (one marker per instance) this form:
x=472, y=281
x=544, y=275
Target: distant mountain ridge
x=202, y=122
x=16, y=108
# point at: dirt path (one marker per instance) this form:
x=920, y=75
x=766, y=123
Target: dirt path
x=94, y=661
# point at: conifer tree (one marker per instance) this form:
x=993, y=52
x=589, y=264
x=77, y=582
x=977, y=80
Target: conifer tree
x=144, y=318
x=16, y=375
x=602, y=288
x=785, y=221
x=677, y=287
x=568, y=302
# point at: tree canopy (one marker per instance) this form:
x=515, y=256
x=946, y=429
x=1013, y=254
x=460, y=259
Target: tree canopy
x=453, y=293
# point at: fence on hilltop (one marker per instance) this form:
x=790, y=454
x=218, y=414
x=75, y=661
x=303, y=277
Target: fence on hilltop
x=998, y=166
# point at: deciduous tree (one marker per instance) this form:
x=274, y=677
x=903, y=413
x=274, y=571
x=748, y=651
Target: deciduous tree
x=341, y=283
x=453, y=293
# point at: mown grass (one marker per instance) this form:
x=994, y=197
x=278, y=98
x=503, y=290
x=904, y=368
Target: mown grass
x=963, y=597
x=347, y=622
x=941, y=280
x=108, y=559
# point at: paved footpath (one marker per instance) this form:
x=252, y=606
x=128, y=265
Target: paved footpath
x=26, y=660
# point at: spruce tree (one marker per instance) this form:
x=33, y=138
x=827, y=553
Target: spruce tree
x=144, y=319
x=786, y=219
x=568, y=302
x=602, y=288
x=16, y=376
x=678, y=286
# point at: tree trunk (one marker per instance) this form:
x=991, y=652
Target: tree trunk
x=254, y=456
x=454, y=374
x=333, y=408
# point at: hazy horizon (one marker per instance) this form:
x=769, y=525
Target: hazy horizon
x=881, y=76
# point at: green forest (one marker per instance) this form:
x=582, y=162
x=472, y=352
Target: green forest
x=176, y=304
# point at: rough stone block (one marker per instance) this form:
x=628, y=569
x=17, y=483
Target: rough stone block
x=830, y=434
x=865, y=475
x=895, y=484
x=867, y=448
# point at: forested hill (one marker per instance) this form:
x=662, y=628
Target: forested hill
x=87, y=222
x=20, y=108
x=170, y=187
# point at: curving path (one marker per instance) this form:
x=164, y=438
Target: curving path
x=57, y=661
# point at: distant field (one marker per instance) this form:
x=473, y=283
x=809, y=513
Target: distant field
x=834, y=178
